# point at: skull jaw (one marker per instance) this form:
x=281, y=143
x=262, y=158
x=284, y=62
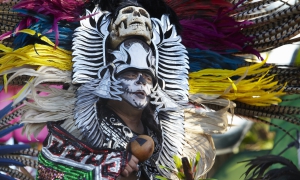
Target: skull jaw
x=117, y=37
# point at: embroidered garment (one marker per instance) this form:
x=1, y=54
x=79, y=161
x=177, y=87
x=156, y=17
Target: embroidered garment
x=117, y=136
x=64, y=155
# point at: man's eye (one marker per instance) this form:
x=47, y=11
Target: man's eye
x=130, y=75
x=148, y=78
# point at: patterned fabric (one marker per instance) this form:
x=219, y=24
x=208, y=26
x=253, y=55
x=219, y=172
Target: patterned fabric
x=73, y=159
x=63, y=155
x=117, y=135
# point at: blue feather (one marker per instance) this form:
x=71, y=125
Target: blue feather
x=203, y=59
x=1, y=87
x=5, y=110
x=9, y=162
x=44, y=25
x=4, y=177
x=33, y=14
x=10, y=129
x=45, y=28
x=6, y=149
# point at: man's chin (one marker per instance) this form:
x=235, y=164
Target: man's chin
x=139, y=106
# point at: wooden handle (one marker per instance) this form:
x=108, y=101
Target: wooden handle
x=187, y=169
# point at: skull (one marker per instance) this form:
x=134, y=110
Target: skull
x=131, y=21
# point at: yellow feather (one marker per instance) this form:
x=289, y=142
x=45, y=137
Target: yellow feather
x=36, y=55
x=5, y=82
x=22, y=90
x=5, y=49
x=47, y=56
x=260, y=90
x=32, y=33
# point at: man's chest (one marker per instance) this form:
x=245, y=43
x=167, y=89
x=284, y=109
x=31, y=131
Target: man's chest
x=116, y=134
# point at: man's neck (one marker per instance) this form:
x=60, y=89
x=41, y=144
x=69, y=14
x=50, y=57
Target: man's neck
x=129, y=114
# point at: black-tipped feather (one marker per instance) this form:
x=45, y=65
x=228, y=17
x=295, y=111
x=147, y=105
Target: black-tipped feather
x=258, y=168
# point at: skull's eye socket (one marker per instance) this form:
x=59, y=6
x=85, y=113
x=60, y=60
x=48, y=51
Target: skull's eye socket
x=127, y=10
x=143, y=13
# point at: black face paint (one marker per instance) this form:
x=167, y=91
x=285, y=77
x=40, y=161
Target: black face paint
x=141, y=80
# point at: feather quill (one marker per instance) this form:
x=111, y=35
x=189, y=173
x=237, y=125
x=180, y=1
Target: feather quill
x=5, y=177
x=12, y=148
x=5, y=110
x=10, y=129
x=14, y=173
x=9, y=162
x=257, y=168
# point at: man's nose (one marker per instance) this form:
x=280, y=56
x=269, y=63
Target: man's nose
x=141, y=80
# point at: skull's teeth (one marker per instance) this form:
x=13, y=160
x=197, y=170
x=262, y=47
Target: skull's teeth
x=136, y=24
x=147, y=26
x=122, y=26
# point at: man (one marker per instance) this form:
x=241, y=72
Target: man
x=129, y=78
x=119, y=120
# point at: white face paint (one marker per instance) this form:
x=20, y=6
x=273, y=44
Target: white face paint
x=137, y=88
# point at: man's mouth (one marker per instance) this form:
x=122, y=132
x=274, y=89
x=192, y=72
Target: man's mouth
x=140, y=94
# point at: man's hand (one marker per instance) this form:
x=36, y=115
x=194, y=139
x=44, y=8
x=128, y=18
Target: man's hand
x=131, y=166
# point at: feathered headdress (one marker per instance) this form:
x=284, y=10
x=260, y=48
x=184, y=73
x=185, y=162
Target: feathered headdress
x=62, y=42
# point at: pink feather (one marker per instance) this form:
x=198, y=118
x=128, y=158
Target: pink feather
x=69, y=10
x=220, y=33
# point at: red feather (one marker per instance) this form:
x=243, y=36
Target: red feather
x=197, y=8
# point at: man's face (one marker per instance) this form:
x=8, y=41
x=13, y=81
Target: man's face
x=136, y=87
